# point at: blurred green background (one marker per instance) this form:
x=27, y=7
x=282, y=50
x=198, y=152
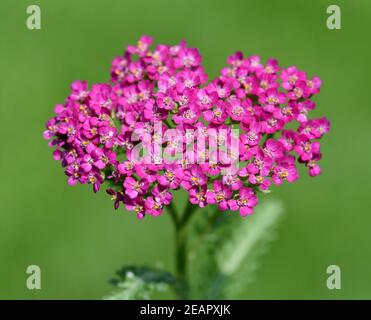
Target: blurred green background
x=77, y=238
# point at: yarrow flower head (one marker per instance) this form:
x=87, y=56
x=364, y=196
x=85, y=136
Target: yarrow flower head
x=159, y=126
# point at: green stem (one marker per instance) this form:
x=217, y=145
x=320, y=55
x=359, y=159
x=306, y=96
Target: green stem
x=181, y=261
x=181, y=234
x=189, y=210
x=170, y=125
x=173, y=214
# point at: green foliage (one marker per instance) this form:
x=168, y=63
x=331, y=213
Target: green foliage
x=222, y=255
x=225, y=249
x=139, y=283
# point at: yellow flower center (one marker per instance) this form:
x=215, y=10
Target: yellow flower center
x=195, y=180
x=272, y=100
x=283, y=173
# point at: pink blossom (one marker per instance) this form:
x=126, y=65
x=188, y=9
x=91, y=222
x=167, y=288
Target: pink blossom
x=245, y=202
x=99, y=134
x=220, y=194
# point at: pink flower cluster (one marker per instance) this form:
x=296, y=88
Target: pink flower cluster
x=93, y=130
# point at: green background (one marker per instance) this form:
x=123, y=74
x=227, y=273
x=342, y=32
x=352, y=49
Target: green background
x=77, y=238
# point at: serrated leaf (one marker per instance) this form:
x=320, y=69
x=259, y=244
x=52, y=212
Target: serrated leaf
x=227, y=257
x=139, y=283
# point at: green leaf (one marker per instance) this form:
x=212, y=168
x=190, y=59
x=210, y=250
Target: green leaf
x=139, y=283
x=225, y=260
